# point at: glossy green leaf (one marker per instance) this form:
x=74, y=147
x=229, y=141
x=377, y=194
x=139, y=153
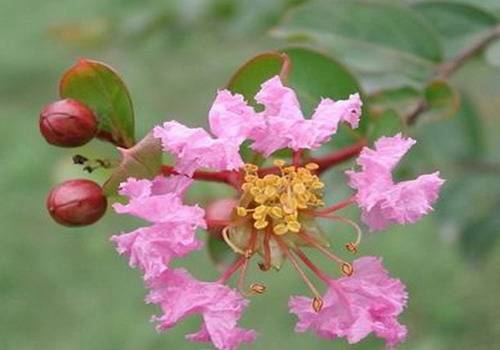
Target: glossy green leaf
x=402, y=100
x=458, y=25
x=99, y=87
x=311, y=74
x=248, y=78
x=372, y=22
x=143, y=160
x=386, y=43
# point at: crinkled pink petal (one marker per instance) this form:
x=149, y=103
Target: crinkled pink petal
x=152, y=248
x=165, y=208
x=194, y=148
x=278, y=100
x=311, y=134
x=179, y=295
x=174, y=224
x=284, y=125
x=368, y=301
x=231, y=117
x=382, y=201
x=141, y=188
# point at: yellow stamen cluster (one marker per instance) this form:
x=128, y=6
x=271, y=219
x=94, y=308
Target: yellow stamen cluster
x=276, y=200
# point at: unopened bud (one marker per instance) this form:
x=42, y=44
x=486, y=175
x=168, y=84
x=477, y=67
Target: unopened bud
x=77, y=202
x=317, y=304
x=67, y=123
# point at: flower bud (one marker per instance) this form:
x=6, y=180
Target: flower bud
x=77, y=202
x=67, y=123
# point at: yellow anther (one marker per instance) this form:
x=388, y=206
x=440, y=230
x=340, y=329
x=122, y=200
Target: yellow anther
x=347, y=269
x=251, y=167
x=289, y=170
x=317, y=304
x=279, y=163
x=261, y=210
x=260, y=198
x=312, y=166
x=246, y=187
x=257, y=288
x=280, y=229
x=316, y=185
x=254, y=191
x=260, y=224
x=241, y=211
x=271, y=179
x=290, y=205
x=276, y=212
x=299, y=188
x=277, y=200
x=250, y=178
x=270, y=191
x=294, y=226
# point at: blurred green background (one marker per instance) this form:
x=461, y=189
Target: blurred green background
x=67, y=288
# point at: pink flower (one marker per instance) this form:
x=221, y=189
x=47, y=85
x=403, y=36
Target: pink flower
x=173, y=231
x=180, y=295
x=160, y=201
x=232, y=121
x=384, y=202
x=285, y=125
x=368, y=301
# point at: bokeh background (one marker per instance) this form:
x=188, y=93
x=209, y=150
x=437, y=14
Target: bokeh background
x=67, y=289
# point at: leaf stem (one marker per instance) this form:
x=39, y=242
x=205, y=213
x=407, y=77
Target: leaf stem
x=447, y=69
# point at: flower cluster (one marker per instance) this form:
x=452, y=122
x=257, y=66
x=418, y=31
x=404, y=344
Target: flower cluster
x=274, y=217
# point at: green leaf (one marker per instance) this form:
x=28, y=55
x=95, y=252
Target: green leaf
x=458, y=25
x=248, y=78
x=314, y=75
x=99, y=87
x=442, y=98
x=311, y=74
x=141, y=161
x=387, y=44
x=402, y=100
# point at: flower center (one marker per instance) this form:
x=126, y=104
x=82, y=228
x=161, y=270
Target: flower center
x=277, y=200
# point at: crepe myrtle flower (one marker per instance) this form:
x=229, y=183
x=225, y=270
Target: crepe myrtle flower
x=274, y=218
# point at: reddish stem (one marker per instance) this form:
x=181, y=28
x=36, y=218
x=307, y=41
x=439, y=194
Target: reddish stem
x=233, y=178
x=337, y=206
x=213, y=223
x=267, y=250
x=338, y=157
x=231, y=270
x=327, y=161
x=297, y=157
x=229, y=177
x=321, y=275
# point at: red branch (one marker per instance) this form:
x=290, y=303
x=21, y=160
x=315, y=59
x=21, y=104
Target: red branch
x=233, y=178
x=341, y=156
x=228, y=177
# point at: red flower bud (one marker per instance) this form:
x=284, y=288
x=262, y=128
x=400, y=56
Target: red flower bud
x=77, y=202
x=67, y=123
